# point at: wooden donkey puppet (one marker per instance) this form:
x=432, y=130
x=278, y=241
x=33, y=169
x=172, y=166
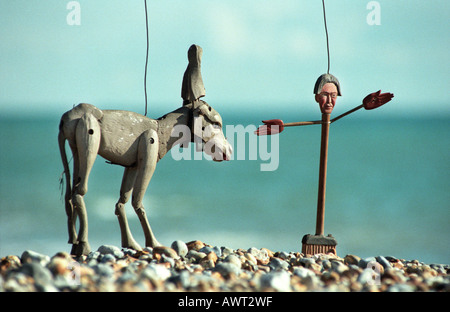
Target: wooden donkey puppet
x=137, y=143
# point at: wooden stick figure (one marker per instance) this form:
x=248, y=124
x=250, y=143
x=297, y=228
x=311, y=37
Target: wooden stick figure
x=326, y=90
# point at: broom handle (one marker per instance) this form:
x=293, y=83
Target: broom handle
x=318, y=122
x=302, y=123
x=322, y=174
x=346, y=113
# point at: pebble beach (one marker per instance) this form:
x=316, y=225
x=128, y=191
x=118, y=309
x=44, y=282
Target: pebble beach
x=198, y=267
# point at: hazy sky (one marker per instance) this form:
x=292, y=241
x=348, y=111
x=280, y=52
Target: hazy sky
x=256, y=54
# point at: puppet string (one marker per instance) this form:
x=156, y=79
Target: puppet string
x=326, y=33
x=146, y=58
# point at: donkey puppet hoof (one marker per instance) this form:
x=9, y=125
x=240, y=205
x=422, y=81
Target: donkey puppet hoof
x=81, y=249
x=133, y=245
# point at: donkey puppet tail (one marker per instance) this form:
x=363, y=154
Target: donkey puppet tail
x=62, y=150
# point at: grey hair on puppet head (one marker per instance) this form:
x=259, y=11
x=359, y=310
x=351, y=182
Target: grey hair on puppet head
x=324, y=79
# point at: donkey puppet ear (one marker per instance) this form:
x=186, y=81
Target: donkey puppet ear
x=207, y=111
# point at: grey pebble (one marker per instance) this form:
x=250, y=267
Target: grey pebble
x=93, y=255
x=208, y=249
x=283, y=255
x=225, y=251
x=384, y=262
x=168, y=259
x=129, y=252
x=326, y=264
x=226, y=269
x=43, y=278
x=127, y=276
x=363, y=263
x=303, y=272
x=338, y=266
x=182, y=278
x=279, y=281
x=156, y=272
x=313, y=282
x=32, y=256
x=108, y=258
x=307, y=261
x=390, y=258
x=103, y=270
x=254, y=251
x=66, y=283
x=234, y=260
x=113, y=250
x=197, y=255
x=278, y=264
x=180, y=247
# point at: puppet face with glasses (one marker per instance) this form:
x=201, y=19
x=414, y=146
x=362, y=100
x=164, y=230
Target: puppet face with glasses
x=327, y=98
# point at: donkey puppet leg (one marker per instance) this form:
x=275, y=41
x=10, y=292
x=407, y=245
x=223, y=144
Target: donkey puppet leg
x=87, y=137
x=147, y=158
x=129, y=176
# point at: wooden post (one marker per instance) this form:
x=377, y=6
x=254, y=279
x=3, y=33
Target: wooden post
x=322, y=174
x=314, y=244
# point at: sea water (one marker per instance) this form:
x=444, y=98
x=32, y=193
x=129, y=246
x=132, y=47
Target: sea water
x=387, y=191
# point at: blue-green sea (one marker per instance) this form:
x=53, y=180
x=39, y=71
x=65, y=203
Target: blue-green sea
x=388, y=189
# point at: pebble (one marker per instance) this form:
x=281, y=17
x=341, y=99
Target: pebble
x=112, y=250
x=278, y=264
x=278, y=281
x=338, y=267
x=351, y=259
x=226, y=251
x=307, y=262
x=234, y=259
x=196, y=255
x=364, y=263
x=58, y=266
x=227, y=269
x=384, y=262
x=180, y=248
x=196, y=245
x=302, y=272
x=167, y=251
x=32, y=256
x=261, y=255
x=108, y=258
x=103, y=270
x=196, y=266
